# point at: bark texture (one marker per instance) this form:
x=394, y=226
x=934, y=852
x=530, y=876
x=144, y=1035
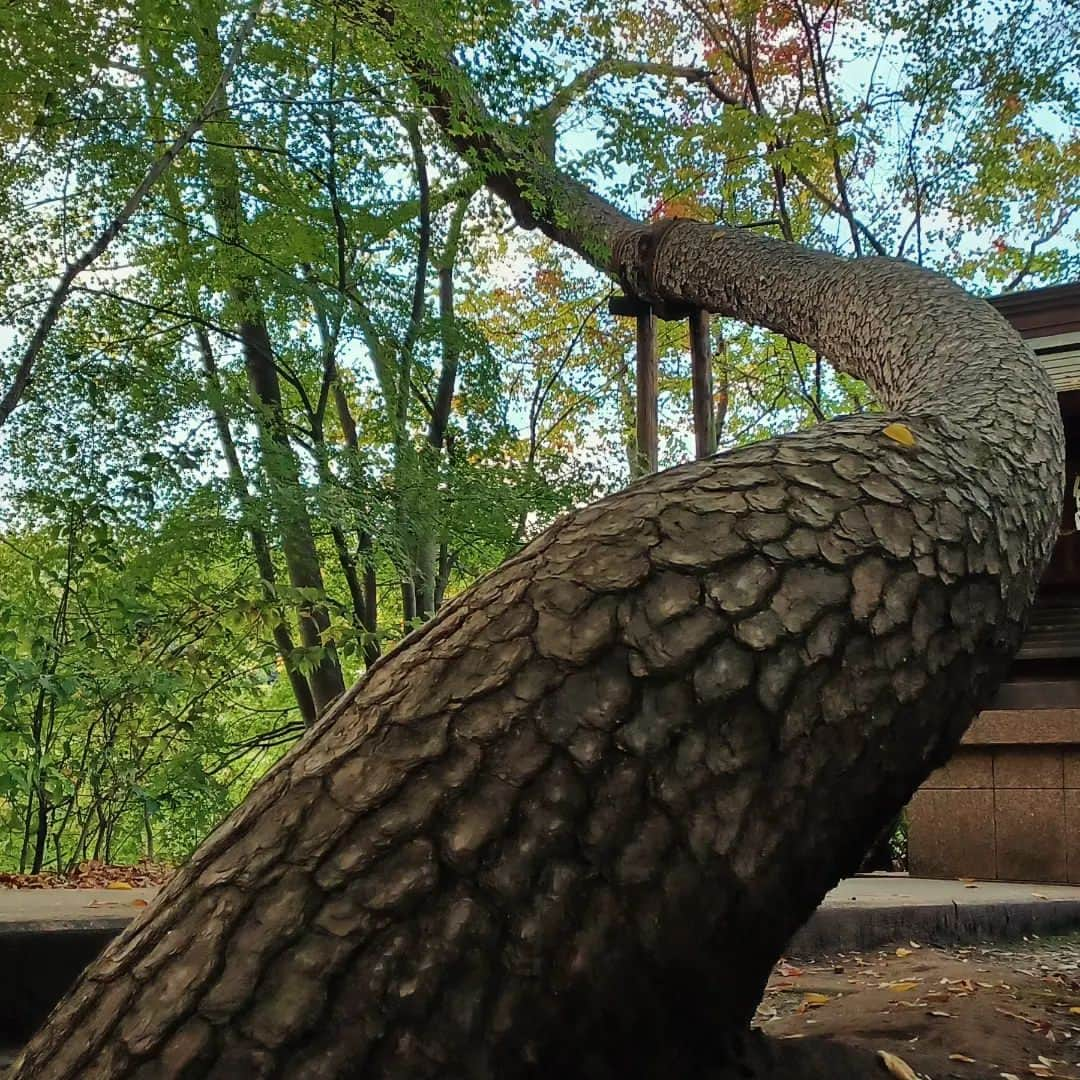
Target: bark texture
x=566, y=827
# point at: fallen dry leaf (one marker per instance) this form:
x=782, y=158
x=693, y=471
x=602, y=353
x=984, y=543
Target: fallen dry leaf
x=903, y=986
x=119, y=885
x=814, y=1001
x=139, y=902
x=90, y=875
x=903, y=952
x=897, y=1067
x=962, y=1057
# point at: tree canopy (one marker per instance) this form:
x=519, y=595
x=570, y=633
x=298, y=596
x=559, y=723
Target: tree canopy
x=280, y=374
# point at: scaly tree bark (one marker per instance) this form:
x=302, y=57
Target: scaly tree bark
x=566, y=828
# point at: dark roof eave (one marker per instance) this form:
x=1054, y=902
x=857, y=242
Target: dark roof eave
x=1032, y=300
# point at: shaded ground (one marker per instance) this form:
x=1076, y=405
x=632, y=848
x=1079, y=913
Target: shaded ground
x=972, y=1012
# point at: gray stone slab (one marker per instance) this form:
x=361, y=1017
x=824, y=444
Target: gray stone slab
x=878, y=909
x=57, y=910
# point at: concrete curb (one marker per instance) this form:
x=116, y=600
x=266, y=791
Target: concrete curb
x=835, y=929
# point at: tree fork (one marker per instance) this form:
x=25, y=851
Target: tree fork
x=276, y=452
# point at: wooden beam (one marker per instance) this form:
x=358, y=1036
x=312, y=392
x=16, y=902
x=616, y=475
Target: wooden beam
x=648, y=379
x=630, y=306
x=626, y=306
x=702, y=385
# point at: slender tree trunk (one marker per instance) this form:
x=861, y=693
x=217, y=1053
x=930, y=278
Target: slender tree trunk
x=294, y=523
x=28, y=825
x=279, y=459
x=260, y=545
x=365, y=547
x=567, y=828
x=148, y=831
x=41, y=834
x=446, y=565
x=368, y=611
x=431, y=577
x=409, y=610
x=42, y=733
x=257, y=536
x=371, y=598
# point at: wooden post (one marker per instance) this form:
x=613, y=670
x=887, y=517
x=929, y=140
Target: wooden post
x=702, y=384
x=648, y=378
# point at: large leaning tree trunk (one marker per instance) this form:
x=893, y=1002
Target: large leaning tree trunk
x=566, y=828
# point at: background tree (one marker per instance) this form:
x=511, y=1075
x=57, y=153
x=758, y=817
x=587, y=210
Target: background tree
x=394, y=459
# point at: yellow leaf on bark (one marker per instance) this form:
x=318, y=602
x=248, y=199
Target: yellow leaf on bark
x=900, y=433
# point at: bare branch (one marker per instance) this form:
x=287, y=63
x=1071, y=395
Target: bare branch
x=24, y=371
x=823, y=197
x=629, y=69
x=1062, y=220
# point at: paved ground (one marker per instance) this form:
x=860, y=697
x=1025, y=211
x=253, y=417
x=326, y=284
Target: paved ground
x=69, y=909
x=899, y=890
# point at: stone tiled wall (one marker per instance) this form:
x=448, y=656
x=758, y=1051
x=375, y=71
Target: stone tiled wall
x=1007, y=806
